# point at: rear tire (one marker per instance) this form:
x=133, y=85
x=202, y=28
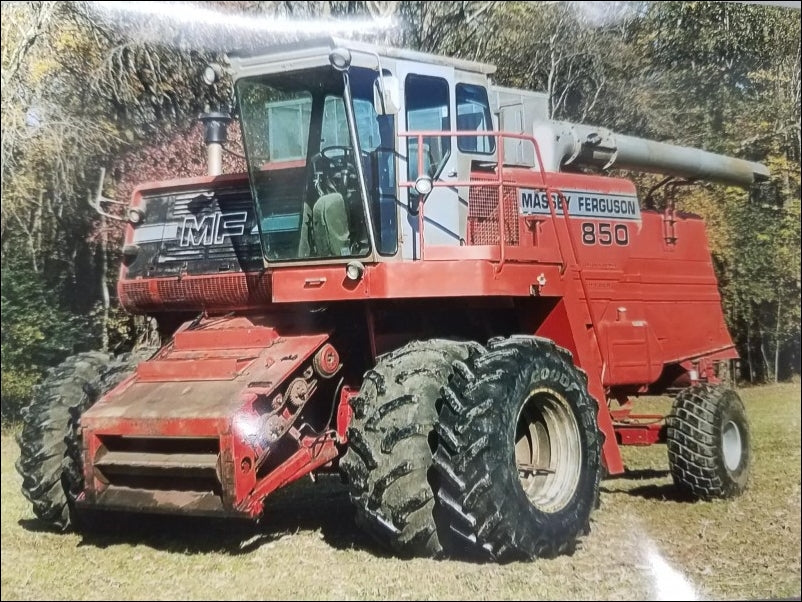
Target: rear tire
x=50, y=462
x=520, y=451
x=390, y=444
x=708, y=442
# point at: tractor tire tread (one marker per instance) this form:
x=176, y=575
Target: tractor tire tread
x=388, y=461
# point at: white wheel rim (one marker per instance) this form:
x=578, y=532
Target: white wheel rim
x=548, y=450
x=731, y=445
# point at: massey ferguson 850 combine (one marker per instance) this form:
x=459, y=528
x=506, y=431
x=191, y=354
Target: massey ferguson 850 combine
x=421, y=283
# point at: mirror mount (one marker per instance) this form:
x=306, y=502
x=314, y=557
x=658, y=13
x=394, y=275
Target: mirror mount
x=386, y=91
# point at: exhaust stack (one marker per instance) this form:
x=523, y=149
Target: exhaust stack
x=214, y=136
x=566, y=144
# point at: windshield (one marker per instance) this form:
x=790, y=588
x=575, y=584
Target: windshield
x=303, y=169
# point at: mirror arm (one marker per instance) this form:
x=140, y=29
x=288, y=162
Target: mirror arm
x=95, y=203
x=382, y=90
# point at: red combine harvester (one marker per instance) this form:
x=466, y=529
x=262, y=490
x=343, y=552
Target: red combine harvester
x=457, y=318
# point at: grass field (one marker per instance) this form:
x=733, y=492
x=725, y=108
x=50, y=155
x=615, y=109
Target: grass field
x=645, y=542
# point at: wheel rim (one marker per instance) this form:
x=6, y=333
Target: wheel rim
x=731, y=445
x=548, y=450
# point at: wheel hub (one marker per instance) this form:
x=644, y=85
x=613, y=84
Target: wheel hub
x=731, y=445
x=548, y=450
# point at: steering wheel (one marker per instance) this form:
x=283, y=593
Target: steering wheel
x=338, y=160
x=338, y=166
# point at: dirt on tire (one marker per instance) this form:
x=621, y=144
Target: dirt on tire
x=390, y=443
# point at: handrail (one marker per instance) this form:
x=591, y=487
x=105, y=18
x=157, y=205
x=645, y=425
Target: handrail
x=499, y=181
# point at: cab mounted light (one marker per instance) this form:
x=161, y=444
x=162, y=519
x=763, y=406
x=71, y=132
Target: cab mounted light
x=340, y=59
x=424, y=185
x=211, y=73
x=354, y=270
x=136, y=216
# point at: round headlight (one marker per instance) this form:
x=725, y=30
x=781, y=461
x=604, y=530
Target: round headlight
x=354, y=270
x=424, y=185
x=340, y=58
x=211, y=74
x=136, y=215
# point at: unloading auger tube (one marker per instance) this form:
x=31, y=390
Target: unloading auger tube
x=572, y=144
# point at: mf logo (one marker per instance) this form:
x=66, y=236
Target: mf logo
x=211, y=229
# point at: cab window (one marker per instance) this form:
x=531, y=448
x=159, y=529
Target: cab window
x=473, y=113
x=427, y=108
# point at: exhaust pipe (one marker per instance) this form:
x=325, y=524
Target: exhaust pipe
x=214, y=137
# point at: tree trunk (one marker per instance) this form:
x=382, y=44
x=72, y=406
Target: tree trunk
x=550, y=82
x=749, y=350
x=766, y=366
x=777, y=338
x=104, y=289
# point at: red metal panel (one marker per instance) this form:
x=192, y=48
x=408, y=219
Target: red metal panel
x=345, y=412
x=316, y=283
x=633, y=354
x=641, y=434
x=239, y=338
x=201, y=369
x=410, y=280
x=567, y=325
x=183, y=406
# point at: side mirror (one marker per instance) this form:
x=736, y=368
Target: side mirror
x=387, y=95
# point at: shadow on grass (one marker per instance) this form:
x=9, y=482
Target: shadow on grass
x=649, y=491
x=641, y=473
x=303, y=506
x=664, y=492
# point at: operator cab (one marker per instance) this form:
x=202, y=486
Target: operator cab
x=324, y=127
x=302, y=161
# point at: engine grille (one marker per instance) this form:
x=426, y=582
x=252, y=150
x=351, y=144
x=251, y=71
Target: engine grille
x=196, y=232
x=223, y=291
x=483, y=207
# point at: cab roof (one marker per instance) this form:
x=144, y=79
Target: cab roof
x=246, y=62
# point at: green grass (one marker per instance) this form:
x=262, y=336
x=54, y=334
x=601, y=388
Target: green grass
x=307, y=546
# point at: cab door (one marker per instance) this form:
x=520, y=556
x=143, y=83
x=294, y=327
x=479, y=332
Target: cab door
x=428, y=104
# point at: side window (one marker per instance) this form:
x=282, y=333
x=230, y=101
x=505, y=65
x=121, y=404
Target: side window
x=473, y=113
x=427, y=104
x=334, y=131
x=335, y=125
x=288, y=121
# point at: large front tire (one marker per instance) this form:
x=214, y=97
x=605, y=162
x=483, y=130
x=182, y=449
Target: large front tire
x=50, y=446
x=519, y=451
x=390, y=443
